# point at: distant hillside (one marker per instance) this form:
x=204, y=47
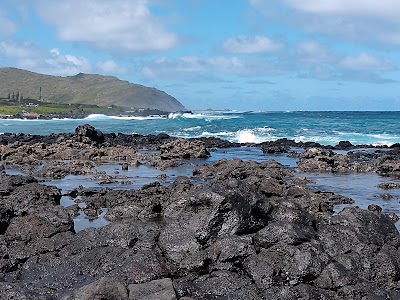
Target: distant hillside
x=86, y=89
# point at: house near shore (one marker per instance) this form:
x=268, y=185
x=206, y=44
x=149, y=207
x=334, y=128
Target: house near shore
x=32, y=105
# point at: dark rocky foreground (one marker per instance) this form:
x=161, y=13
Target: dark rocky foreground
x=248, y=230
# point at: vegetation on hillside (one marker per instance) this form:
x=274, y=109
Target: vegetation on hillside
x=86, y=89
x=29, y=106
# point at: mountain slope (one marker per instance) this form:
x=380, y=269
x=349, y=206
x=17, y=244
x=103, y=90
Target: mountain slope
x=86, y=89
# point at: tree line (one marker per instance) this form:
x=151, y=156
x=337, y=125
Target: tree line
x=15, y=96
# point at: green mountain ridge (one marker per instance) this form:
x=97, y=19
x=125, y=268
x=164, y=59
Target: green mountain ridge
x=85, y=89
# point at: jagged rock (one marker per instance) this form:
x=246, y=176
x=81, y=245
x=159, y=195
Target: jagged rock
x=161, y=289
x=394, y=217
x=247, y=231
x=87, y=133
x=274, y=149
x=389, y=185
x=57, y=170
x=323, y=160
x=104, y=288
x=181, y=148
x=344, y=145
x=374, y=207
x=217, y=285
x=385, y=196
x=215, y=142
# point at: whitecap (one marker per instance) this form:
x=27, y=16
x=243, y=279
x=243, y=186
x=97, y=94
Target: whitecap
x=206, y=117
x=179, y=115
x=265, y=129
x=257, y=135
x=375, y=139
x=248, y=136
x=96, y=116
x=217, y=134
x=136, y=118
x=385, y=136
x=321, y=139
x=383, y=143
x=192, y=128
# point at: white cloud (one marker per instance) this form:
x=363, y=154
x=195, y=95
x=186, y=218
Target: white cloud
x=313, y=52
x=11, y=49
x=7, y=27
x=55, y=51
x=188, y=67
x=378, y=9
x=227, y=65
x=309, y=59
x=366, y=21
x=28, y=56
x=248, y=45
x=64, y=64
x=116, y=25
x=170, y=68
x=366, y=62
x=166, y=68
x=110, y=67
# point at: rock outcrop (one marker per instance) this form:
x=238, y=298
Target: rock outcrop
x=248, y=232
x=233, y=230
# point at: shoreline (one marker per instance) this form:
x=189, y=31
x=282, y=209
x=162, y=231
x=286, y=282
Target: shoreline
x=83, y=115
x=241, y=128
x=236, y=229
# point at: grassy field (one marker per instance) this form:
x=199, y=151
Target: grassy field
x=10, y=109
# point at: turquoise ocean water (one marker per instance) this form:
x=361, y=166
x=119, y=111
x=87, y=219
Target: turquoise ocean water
x=328, y=128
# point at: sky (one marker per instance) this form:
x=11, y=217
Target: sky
x=259, y=55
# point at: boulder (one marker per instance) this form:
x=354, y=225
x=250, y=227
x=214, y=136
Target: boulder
x=183, y=149
x=104, y=288
x=87, y=133
x=161, y=289
x=323, y=160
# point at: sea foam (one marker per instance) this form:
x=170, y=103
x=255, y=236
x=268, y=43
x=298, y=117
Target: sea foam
x=248, y=136
x=136, y=118
x=207, y=117
x=96, y=116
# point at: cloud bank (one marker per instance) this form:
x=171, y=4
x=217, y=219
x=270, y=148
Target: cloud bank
x=249, y=45
x=119, y=25
x=366, y=21
x=7, y=27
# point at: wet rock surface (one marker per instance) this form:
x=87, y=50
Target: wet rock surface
x=284, y=145
x=234, y=230
x=385, y=163
x=181, y=148
x=248, y=232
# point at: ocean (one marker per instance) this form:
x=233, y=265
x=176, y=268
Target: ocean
x=326, y=128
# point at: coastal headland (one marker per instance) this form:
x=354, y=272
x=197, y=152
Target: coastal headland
x=233, y=229
x=30, y=95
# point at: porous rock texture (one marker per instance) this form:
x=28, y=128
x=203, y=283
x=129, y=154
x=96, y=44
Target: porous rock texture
x=247, y=232
x=385, y=163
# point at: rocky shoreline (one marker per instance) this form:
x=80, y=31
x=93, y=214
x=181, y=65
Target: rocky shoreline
x=233, y=230
x=83, y=114
x=36, y=116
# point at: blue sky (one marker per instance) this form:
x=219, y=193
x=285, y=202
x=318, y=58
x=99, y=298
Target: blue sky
x=240, y=54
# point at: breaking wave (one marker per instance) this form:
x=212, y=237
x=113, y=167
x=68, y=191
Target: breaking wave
x=207, y=117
